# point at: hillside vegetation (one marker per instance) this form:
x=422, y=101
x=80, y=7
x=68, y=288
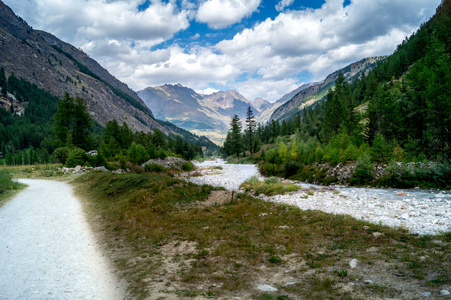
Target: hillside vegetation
x=399, y=112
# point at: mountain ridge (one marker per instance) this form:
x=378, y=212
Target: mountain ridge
x=57, y=67
x=317, y=91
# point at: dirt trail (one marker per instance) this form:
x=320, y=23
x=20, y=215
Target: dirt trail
x=47, y=249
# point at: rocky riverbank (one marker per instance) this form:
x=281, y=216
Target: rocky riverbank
x=419, y=211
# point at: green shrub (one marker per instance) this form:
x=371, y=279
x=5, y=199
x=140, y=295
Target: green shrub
x=7, y=182
x=419, y=174
x=188, y=166
x=61, y=154
x=77, y=157
x=275, y=259
x=363, y=173
x=268, y=169
x=290, y=169
x=137, y=154
x=153, y=168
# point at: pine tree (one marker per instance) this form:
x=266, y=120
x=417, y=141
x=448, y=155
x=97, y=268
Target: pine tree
x=81, y=137
x=62, y=120
x=250, y=130
x=235, y=136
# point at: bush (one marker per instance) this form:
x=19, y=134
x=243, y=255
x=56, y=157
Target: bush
x=418, y=174
x=153, y=168
x=268, y=169
x=7, y=182
x=77, y=157
x=363, y=171
x=61, y=154
x=137, y=153
x=188, y=166
x=290, y=169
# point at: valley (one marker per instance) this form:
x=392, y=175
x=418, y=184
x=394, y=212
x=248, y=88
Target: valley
x=333, y=183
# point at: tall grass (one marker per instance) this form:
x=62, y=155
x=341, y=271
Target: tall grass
x=7, y=182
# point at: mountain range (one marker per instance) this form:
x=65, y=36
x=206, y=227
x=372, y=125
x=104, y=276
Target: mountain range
x=210, y=115
x=207, y=115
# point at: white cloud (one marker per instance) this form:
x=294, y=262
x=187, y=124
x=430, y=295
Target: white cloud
x=266, y=89
x=272, y=52
x=283, y=3
x=207, y=91
x=79, y=21
x=222, y=13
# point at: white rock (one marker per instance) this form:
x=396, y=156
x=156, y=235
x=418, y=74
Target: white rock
x=426, y=294
x=368, y=282
x=444, y=292
x=266, y=288
x=353, y=263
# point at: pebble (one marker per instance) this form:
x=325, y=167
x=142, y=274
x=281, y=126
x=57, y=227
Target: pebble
x=424, y=212
x=426, y=294
x=444, y=292
x=368, y=282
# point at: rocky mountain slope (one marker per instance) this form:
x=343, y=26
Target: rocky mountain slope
x=56, y=66
x=207, y=115
x=264, y=115
x=316, y=92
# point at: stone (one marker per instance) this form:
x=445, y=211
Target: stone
x=102, y=168
x=401, y=193
x=426, y=294
x=404, y=216
x=444, y=292
x=377, y=234
x=353, y=263
x=266, y=288
x=368, y=282
x=77, y=169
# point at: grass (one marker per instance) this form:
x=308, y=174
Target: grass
x=165, y=241
x=34, y=171
x=8, y=186
x=270, y=186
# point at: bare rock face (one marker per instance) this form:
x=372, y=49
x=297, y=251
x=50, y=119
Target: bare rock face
x=57, y=67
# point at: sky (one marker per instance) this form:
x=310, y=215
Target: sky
x=259, y=48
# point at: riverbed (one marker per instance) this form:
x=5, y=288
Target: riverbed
x=419, y=211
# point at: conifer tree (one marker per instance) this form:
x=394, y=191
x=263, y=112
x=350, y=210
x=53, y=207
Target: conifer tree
x=250, y=130
x=235, y=136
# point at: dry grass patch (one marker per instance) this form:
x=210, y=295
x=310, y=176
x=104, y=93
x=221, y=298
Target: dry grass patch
x=269, y=187
x=166, y=245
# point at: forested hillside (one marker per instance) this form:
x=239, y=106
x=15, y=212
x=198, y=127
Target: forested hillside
x=37, y=127
x=400, y=112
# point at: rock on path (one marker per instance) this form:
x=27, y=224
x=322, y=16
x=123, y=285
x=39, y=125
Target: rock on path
x=420, y=211
x=47, y=250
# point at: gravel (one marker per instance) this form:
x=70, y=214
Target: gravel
x=47, y=250
x=419, y=211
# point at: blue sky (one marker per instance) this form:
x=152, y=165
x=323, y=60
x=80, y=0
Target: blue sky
x=259, y=48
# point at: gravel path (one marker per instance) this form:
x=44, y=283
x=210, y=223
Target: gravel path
x=420, y=211
x=47, y=250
